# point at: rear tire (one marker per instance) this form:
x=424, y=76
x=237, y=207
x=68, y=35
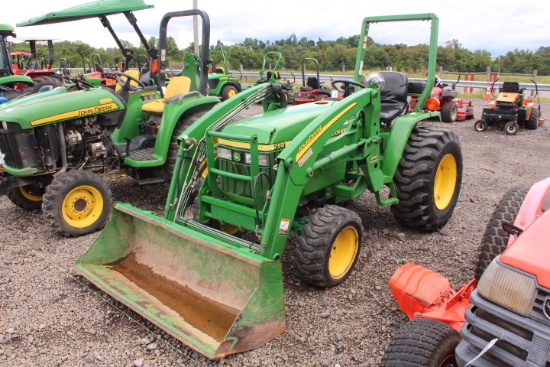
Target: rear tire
x=40, y=82
x=511, y=128
x=480, y=125
x=495, y=240
x=533, y=121
x=428, y=179
x=422, y=342
x=329, y=246
x=77, y=203
x=449, y=112
x=183, y=123
x=228, y=91
x=28, y=197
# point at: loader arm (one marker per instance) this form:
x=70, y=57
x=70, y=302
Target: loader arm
x=300, y=161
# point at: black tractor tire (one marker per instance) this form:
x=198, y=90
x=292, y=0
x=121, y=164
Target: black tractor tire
x=28, y=197
x=40, y=82
x=533, y=121
x=329, y=246
x=422, y=342
x=428, y=179
x=228, y=91
x=511, y=128
x=183, y=123
x=480, y=125
x=77, y=203
x=495, y=240
x=449, y=112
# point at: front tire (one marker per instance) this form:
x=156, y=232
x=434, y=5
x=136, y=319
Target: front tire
x=449, y=112
x=28, y=197
x=428, y=179
x=511, y=128
x=480, y=125
x=422, y=342
x=329, y=246
x=495, y=240
x=77, y=203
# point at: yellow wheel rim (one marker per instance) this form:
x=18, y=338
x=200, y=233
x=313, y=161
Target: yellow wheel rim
x=445, y=181
x=229, y=228
x=231, y=93
x=82, y=206
x=343, y=252
x=29, y=195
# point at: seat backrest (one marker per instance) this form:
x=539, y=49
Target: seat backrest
x=394, y=95
x=510, y=87
x=395, y=87
x=178, y=85
x=312, y=82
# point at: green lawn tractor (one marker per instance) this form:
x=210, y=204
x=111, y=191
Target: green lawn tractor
x=272, y=73
x=56, y=143
x=220, y=82
x=209, y=271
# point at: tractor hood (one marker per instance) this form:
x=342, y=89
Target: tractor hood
x=31, y=111
x=280, y=125
x=85, y=11
x=529, y=252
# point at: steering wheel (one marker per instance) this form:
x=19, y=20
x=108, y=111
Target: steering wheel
x=126, y=84
x=347, y=90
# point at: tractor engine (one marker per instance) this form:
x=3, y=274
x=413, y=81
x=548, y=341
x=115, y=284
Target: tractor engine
x=87, y=144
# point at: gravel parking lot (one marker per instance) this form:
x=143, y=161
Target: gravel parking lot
x=50, y=317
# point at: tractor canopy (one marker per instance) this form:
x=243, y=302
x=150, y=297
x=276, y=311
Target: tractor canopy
x=6, y=30
x=85, y=11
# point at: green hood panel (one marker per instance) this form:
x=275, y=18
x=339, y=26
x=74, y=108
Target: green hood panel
x=280, y=125
x=31, y=112
x=85, y=11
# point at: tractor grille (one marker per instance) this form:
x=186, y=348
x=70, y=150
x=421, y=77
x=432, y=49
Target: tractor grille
x=20, y=147
x=523, y=340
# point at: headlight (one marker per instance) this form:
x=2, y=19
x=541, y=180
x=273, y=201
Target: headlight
x=263, y=160
x=224, y=153
x=508, y=288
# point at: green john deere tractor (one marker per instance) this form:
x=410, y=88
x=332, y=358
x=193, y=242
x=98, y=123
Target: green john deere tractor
x=56, y=143
x=220, y=82
x=11, y=84
x=272, y=73
x=209, y=271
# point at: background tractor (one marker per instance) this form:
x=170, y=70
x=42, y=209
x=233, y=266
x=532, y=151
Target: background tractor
x=502, y=319
x=11, y=84
x=220, y=82
x=209, y=271
x=272, y=73
x=311, y=90
x=510, y=110
x=55, y=143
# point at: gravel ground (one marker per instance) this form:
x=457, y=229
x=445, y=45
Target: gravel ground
x=50, y=317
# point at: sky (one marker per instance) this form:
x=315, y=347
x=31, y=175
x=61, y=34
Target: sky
x=497, y=26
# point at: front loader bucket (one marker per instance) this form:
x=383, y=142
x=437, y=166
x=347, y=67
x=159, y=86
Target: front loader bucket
x=214, y=297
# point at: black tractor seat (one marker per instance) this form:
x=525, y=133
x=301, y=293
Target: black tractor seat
x=394, y=95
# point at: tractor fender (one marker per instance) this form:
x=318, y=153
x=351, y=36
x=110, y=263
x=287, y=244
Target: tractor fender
x=186, y=104
x=16, y=79
x=399, y=137
x=536, y=202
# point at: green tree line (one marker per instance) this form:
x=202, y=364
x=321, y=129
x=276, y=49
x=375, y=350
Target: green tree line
x=338, y=55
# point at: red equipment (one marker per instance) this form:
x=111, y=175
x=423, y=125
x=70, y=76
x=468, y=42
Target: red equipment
x=445, y=100
x=311, y=91
x=423, y=293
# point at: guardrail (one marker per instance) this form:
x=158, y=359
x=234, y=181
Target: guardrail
x=461, y=84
